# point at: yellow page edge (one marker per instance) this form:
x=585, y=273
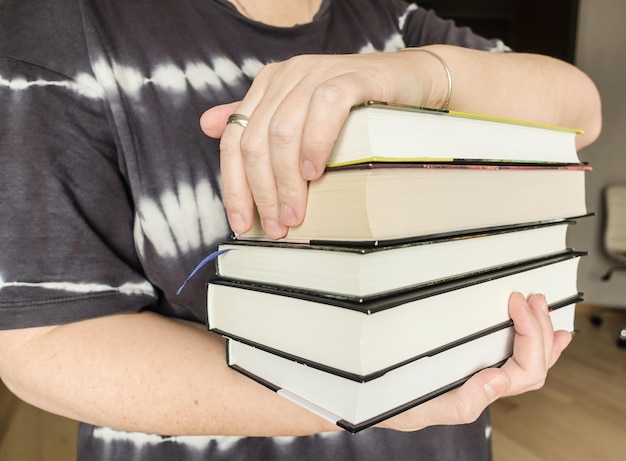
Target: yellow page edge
x=493, y=118
x=391, y=160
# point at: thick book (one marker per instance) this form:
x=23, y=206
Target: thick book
x=387, y=202
x=364, y=339
x=360, y=272
x=382, y=132
x=355, y=405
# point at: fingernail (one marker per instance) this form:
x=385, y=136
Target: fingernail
x=543, y=303
x=237, y=223
x=273, y=228
x=495, y=387
x=287, y=215
x=308, y=170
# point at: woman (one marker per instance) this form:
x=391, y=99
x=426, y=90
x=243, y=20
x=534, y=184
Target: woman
x=115, y=195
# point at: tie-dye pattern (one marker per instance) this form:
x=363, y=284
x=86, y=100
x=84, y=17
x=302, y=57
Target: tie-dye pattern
x=376, y=444
x=112, y=195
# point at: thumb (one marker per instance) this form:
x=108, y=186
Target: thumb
x=495, y=383
x=465, y=404
x=213, y=121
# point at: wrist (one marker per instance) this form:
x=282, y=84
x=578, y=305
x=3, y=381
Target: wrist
x=433, y=64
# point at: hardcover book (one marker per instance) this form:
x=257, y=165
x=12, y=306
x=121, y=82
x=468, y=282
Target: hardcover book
x=355, y=405
x=384, y=132
x=364, y=339
x=360, y=272
x=386, y=202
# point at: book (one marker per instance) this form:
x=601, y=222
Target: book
x=359, y=272
x=392, y=202
x=356, y=405
x=383, y=132
x=364, y=339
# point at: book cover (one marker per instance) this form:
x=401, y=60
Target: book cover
x=563, y=324
x=391, y=202
x=385, y=331
x=357, y=405
x=359, y=272
x=383, y=132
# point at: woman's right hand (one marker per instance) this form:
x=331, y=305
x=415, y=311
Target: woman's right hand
x=536, y=348
x=296, y=109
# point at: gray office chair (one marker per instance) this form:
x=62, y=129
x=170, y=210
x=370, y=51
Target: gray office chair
x=614, y=239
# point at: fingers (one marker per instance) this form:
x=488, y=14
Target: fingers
x=328, y=110
x=539, y=307
x=562, y=339
x=296, y=110
x=301, y=134
x=213, y=121
x=283, y=129
x=267, y=153
x=462, y=405
x=536, y=348
x=555, y=342
x=236, y=192
x=529, y=364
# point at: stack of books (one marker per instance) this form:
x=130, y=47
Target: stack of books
x=395, y=287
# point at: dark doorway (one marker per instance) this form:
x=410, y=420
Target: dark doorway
x=538, y=26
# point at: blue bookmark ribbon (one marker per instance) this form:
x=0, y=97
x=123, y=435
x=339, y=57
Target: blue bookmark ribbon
x=206, y=260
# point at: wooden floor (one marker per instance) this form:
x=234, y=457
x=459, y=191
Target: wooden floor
x=29, y=434
x=580, y=414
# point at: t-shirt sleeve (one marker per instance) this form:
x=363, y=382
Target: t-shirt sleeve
x=66, y=219
x=424, y=27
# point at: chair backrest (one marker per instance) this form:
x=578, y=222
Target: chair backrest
x=615, y=221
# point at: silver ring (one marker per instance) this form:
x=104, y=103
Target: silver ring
x=239, y=119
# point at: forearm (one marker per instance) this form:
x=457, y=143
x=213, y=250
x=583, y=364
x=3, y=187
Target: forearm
x=520, y=85
x=143, y=372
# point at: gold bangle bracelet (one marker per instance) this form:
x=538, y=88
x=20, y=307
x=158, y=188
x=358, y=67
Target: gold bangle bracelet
x=446, y=68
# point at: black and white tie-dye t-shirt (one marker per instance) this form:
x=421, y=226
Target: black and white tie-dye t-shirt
x=111, y=193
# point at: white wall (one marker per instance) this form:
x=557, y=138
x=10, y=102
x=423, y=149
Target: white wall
x=601, y=53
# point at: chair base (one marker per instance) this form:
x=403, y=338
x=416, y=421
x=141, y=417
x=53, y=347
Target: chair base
x=597, y=320
x=621, y=339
